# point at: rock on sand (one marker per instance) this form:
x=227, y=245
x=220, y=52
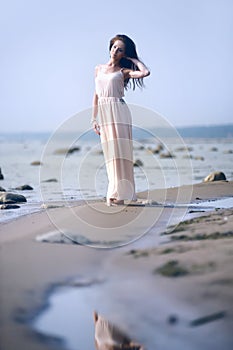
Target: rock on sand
x=215, y=176
x=11, y=198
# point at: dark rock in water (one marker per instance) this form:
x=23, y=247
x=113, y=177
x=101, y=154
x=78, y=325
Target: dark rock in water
x=9, y=206
x=1, y=175
x=167, y=155
x=50, y=180
x=9, y=198
x=67, y=151
x=61, y=151
x=184, y=149
x=24, y=188
x=36, y=163
x=2, y=189
x=138, y=163
x=208, y=318
x=172, y=319
x=99, y=152
x=156, y=150
x=230, y=151
x=199, y=158
x=187, y=156
x=215, y=176
x=74, y=149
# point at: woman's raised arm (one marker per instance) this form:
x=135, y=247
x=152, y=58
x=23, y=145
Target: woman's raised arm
x=136, y=74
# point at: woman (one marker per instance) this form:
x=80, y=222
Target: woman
x=114, y=125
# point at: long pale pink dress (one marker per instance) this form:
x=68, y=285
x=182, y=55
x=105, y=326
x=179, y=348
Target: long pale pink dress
x=116, y=134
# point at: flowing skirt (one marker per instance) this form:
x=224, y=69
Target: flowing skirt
x=116, y=139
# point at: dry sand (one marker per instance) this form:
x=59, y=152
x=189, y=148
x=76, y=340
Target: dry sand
x=160, y=308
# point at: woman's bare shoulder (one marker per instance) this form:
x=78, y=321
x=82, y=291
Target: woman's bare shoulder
x=99, y=67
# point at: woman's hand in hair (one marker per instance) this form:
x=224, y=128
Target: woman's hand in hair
x=142, y=71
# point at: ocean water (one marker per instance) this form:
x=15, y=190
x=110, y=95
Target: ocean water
x=81, y=174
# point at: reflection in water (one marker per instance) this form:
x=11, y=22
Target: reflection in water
x=110, y=337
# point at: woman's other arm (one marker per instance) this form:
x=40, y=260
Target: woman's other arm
x=94, y=122
x=95, y=110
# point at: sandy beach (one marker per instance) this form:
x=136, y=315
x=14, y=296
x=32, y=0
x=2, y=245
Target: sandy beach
x=170, y=289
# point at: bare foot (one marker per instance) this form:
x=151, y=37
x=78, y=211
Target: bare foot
x=114, y=202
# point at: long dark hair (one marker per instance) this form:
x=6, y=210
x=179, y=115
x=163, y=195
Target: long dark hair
x=130, y=51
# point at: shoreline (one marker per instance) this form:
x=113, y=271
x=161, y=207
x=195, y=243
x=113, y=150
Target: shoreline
x=29, y=268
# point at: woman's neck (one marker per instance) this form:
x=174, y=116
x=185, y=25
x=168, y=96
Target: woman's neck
x=114, y=64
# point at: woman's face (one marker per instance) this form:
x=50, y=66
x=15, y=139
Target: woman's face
x=117, y=50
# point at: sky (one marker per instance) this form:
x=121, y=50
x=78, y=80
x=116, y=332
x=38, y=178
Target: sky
x=49, y=48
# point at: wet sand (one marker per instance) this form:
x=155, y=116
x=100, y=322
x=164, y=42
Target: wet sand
x=160, y=289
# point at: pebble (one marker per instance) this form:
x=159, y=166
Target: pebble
x=36, y=163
